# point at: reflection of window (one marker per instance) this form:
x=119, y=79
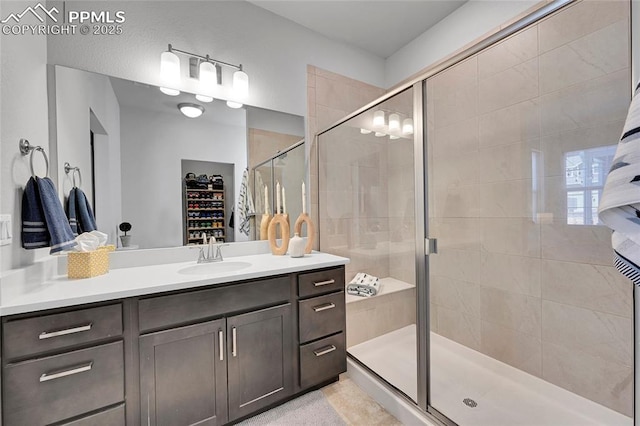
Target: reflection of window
x=585, y=174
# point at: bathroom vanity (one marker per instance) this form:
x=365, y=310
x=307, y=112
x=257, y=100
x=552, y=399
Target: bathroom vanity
x=205, y=349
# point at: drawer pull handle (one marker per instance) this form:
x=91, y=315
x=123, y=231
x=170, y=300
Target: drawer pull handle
x=221, y=342
x=325, y=351
x=52, y=376
x=321, y=283
x=50, y=334
x=233, y=342
x=324, y=307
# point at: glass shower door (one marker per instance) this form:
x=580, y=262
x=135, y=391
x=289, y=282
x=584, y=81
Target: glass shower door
x=367, y=213
x=526, y=308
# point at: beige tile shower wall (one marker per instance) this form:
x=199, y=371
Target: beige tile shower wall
x=511, y=278
x=330, y=97
x=263, y=144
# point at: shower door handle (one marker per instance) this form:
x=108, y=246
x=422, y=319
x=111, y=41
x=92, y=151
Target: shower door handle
x=430, y=246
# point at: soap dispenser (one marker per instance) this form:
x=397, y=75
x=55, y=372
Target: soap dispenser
x=296, y=246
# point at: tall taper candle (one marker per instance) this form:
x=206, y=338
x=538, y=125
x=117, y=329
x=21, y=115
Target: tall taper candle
x=266, y=200
x=277, y=198
x=284, y=202
x=304, y=198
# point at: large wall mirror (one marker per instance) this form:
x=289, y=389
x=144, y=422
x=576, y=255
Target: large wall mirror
x=134, y=149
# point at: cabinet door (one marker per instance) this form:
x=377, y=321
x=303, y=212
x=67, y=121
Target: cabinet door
x=260, y=346
x=183, y=376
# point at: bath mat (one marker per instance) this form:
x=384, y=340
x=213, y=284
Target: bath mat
x=309, y=409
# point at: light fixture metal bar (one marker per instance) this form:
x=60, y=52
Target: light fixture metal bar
x=205, y=58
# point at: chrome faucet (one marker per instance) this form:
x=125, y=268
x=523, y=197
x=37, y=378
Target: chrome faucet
x=213, y=254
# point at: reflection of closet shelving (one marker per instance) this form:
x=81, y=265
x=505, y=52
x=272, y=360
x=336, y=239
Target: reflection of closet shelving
x=204, y=214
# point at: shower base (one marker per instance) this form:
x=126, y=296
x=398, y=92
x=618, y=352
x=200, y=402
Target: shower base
x=476, y=390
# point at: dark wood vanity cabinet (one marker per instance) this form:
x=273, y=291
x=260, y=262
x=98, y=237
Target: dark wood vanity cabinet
x=205, y=356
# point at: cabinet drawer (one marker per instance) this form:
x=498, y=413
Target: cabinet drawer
x=322, y=360
x=30, y=336
x=163, y=311
x=320, y=282
x=59, y=387
x=320, y=316
x=111, y=417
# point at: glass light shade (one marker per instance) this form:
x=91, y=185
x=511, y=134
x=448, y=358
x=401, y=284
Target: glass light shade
x=378, y=119
x=240, y=84
x=234, y=105
x=191, y=110
x=365, y=131
x=394, y=122
x=204, y=98
x=170, y=92
x=380, y=134
x=407, y=126
x=394, y=137
x=208, y=77
x=169, y=70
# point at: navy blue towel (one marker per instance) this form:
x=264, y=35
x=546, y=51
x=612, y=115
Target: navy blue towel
x=85, y=219
x=72, y=214
x=42, y=206
x=34, y=229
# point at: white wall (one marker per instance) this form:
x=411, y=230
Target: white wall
x=472, y=20
x=274, y=121
x=23, y=114
x=153, y=145
x=274, y=51
x=77, y=94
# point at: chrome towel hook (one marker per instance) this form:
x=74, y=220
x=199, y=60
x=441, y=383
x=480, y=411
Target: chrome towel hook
x=26, y=148
x=76, y=169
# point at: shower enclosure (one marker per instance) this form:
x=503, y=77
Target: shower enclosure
x=499, y=301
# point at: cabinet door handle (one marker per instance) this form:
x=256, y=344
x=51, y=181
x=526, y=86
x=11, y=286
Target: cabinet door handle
x=221, y=344
x=324, y=307
x=321, y=283
x=233, y=342
x=325, y=350
x=52, y=376
x=50, y=334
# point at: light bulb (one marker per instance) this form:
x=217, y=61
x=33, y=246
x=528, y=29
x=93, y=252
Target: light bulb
x=380, y=134
x=378, y=119
x=394, y=137
x=365, y=131
x=407, y=126
x=240, y=84
x=204, y=98
x=208, y=77
x=394, y=122
x=191, y=110
x=169, y=72
x=234, y=105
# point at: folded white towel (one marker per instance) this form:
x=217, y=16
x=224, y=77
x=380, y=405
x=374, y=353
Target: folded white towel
x=364, y=285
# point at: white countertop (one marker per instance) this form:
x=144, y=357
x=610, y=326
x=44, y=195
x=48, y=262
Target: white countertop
x=61, y=291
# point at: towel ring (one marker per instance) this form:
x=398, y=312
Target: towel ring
x=25, y=148
x=68, y=168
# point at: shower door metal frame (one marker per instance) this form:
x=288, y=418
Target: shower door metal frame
x=418, y=83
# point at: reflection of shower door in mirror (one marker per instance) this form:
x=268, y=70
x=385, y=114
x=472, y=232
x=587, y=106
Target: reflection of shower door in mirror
x=367, y=213
x=526, y=308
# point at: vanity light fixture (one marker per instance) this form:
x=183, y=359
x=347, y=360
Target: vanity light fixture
x=407, y=126
x=394, y=137
x=169, y=72
x=394, y=122
x=191, y=110
x=365, y=131
x=378, y=119
x=207, y=70
x=380, y=134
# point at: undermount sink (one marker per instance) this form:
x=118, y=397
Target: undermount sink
x=214, y=268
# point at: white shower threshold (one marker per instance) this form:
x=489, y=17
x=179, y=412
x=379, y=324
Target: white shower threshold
x=504, y=395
